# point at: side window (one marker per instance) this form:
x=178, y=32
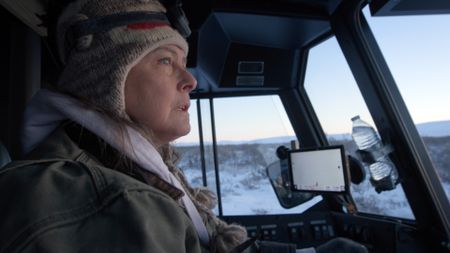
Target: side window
x=335, y=97
x=417, y=51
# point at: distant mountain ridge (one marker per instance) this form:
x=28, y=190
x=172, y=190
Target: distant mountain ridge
x=434, y=129
x=428, y=129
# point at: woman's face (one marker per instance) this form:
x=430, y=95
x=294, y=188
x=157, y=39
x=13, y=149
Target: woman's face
x=157, y=93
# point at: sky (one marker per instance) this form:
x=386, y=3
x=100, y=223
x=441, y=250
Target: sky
x=417, y=51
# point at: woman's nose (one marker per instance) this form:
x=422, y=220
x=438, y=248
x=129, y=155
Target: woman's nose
x=189, y=82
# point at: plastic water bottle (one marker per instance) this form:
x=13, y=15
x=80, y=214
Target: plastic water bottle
x=363, y=134
x=383, y=173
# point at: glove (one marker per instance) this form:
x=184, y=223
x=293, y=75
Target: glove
x=341, y=245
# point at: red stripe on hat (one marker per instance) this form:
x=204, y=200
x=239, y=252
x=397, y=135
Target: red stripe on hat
x=144, y=26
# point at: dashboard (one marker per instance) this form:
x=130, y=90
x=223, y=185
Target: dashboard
x=312, y=229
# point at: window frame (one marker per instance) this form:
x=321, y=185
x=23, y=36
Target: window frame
x=391, y=117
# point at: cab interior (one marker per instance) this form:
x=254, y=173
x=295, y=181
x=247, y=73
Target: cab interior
x=261, y=48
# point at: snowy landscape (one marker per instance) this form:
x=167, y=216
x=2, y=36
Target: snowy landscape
x=246, y=190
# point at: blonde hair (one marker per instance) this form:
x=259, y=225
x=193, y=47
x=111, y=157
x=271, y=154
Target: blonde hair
x=225, y=236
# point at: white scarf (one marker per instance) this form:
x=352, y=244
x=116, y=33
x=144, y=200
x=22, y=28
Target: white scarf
x=46, y=111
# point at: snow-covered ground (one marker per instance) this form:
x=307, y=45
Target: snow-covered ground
x=246, y=190
x=389, y=203
x=243, y=195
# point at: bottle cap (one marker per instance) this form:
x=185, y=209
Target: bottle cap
x=355, y=118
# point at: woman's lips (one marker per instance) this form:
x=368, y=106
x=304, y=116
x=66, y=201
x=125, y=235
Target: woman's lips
x=184, y=107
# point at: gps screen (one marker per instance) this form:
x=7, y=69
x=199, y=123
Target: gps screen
x=318, y=170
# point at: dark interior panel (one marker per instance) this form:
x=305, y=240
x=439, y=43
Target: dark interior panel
x=314, y=228
x=252, y=66
x=408, y=7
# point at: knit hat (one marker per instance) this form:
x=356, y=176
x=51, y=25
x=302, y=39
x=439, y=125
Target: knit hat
x=99, y=41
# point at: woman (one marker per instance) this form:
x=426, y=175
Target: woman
x=98, y=174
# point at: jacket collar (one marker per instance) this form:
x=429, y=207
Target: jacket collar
x=70, y=142
x=48, y=109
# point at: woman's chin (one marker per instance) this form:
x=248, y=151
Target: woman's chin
x=167, y=138
x=184, y=132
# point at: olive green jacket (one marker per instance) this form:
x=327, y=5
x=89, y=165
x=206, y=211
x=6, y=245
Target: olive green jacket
x=62, y=199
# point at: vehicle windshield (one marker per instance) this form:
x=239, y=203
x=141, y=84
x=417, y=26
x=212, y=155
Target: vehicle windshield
x=336, y=99
x=248, y=132
x=416, y=48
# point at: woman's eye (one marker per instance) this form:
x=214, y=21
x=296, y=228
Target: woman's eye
x=165, y=61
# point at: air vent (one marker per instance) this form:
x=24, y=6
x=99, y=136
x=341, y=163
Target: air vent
x=250, y=81
x=251, y=67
